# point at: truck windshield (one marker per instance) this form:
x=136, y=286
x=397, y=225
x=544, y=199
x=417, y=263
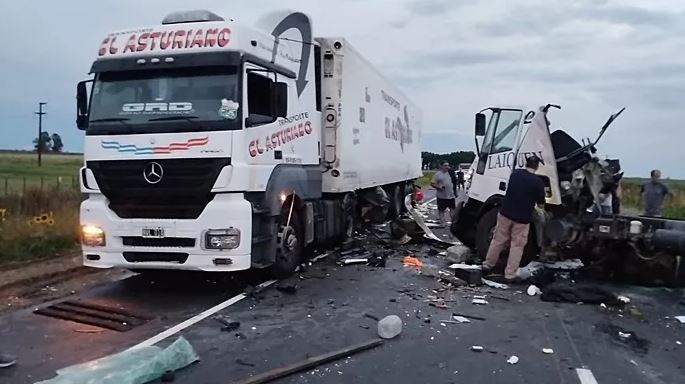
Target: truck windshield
x=165, y=100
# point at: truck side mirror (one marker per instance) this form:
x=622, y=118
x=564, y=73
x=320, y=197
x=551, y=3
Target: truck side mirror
x=480, y=124
x=280, y=99
x=82, y=105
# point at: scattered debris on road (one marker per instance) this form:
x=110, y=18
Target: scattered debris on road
x=533, y=290
x=477, y=348
x=390, y=327
x=310, y=362
x=513, y=360
x=547, y=351
x=411, y=261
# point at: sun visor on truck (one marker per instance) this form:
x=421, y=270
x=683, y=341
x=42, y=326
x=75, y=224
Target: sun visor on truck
x=206, y=59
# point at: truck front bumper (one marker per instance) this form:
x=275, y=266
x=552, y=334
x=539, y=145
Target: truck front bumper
x=182, y=246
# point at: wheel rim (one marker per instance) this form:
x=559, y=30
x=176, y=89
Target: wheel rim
x=287, y=244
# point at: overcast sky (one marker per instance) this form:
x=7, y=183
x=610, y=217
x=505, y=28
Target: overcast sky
x=452, y=57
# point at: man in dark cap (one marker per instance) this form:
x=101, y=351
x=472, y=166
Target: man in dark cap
x=524, y=190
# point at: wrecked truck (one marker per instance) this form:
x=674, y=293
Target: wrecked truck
x=645, y=250
x=216, y=146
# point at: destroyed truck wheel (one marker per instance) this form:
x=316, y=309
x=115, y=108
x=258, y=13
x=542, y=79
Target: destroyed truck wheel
x=289, y=247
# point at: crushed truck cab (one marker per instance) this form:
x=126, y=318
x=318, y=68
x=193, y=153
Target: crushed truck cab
x=573, y=223
x=215, y=146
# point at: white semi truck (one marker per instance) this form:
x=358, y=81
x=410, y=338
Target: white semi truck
x=214, y=146
x=572, y=224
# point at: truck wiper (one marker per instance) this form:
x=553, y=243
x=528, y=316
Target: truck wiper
x=172, y=118
x=111, y=119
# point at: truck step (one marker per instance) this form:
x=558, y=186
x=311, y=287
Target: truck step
x=260, y=210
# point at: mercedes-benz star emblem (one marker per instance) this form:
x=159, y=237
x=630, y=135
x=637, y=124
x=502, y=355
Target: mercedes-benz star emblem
x=153, y=173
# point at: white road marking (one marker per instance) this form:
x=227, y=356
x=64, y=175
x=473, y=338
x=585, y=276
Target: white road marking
x=195, y=319
x=585, y=376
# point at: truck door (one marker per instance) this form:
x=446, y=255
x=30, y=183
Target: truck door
x=496, y=155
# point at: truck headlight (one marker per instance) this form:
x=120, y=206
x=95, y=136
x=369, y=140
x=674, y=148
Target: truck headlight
x=92, y=236
x=222, y=238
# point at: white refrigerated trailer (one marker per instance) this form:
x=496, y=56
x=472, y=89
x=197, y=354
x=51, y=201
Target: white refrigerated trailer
x=214, y=146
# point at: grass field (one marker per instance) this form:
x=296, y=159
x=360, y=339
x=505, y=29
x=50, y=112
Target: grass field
x=38, y=205
x=20, y=172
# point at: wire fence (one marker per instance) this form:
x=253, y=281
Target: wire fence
x=20, y=186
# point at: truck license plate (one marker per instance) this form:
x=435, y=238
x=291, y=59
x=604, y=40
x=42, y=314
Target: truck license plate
x=153, y=232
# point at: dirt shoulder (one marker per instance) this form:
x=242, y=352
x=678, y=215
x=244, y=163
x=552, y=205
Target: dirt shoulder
x=35, y=282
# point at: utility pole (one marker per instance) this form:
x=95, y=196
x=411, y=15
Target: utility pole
x=40, y=114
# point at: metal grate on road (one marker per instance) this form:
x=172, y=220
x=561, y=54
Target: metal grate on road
x=93, y=314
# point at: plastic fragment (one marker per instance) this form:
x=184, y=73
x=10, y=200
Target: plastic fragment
x=477, y=348
x=411, y=261
x=624, y=299
x=479, y=302
x=133, y=366
x=533, y=290
x=390, y=327
x=681, y=319
x=547, y=351
x=513, y=360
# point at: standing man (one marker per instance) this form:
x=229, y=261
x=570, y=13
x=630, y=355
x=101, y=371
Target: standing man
x=513, y=222
x=653, y=193
x=453, y=177
x=460, y=179
x=442, y=182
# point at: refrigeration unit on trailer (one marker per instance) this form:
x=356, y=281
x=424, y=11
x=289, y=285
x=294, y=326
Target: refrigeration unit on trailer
x=215, y=146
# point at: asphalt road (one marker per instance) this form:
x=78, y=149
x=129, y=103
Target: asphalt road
x=327, y=312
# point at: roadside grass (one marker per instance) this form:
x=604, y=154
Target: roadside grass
x=19, y=171
x=425, y=180
x=674, y=206
x=38, y=206
x=39, y=224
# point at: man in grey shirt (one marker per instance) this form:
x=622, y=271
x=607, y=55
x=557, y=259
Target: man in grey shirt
x=653, y=193
x=442, y=182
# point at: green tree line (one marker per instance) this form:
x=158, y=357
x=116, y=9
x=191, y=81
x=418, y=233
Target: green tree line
x=430, y=160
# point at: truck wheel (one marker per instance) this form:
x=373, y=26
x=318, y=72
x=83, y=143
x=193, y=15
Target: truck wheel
x=289, y=246
x=396, y=202
x=485, y=231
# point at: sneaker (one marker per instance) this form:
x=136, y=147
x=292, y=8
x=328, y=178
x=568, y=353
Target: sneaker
x=7, y=361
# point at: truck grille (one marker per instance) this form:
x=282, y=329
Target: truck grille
x=176, y=242
x=182, y=193
x=151, y=257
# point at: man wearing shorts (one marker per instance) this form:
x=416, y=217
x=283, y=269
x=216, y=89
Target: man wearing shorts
x=442, y=182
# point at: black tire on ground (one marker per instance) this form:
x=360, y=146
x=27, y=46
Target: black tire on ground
x=396, y=202
x=289, y=246
x=484, y=232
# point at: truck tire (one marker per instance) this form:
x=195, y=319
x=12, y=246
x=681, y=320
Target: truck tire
x=289, y=246
x=396, y=202
x=485, y=231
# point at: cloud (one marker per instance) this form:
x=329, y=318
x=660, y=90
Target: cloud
x=451, y=57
